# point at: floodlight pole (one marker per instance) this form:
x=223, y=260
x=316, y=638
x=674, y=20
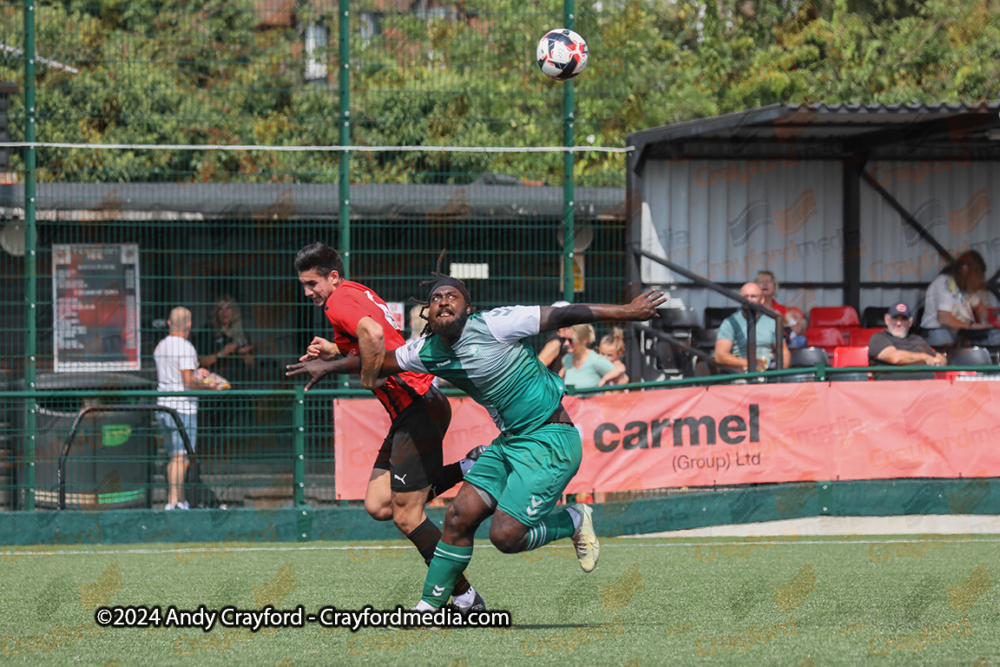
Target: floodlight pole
x=568, y=183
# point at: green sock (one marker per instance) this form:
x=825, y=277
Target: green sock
x=448, y=563
x=553, y=527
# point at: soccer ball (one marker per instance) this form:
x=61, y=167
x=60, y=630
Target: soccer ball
x=562, y=54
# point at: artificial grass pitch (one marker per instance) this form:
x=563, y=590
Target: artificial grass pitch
x=653, y=601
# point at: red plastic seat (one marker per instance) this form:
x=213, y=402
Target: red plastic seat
x=859, y=336
x=847, y=356
x=827, y=338
x=833, y=316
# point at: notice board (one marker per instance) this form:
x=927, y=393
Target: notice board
x=96, y=293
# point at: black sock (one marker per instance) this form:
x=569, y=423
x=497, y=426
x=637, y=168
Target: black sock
x=449, y=476
x=425, y=538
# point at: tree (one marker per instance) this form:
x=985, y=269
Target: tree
x=462, y=75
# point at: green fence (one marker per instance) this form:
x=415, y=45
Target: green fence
x=187, y=151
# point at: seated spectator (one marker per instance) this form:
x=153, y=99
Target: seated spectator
x=612, y=348
x=796, y=324
x=583, y=368
x=556, y=345
x=954, y=310
x=731, y=342
x=769, y=287
x=898, y=346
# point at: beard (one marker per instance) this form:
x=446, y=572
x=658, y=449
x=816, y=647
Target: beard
x=452, y=330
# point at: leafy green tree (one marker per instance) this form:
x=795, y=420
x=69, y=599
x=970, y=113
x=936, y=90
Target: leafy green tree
x=165, y=72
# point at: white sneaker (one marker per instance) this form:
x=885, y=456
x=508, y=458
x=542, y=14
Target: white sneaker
x=588, y=548
x=169, y=507
x=182, y=505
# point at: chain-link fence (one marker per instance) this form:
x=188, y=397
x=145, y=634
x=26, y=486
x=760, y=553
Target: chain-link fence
x=173, y=155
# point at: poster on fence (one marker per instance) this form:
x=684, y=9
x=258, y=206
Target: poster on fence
x=96, y=295
x=723, y=435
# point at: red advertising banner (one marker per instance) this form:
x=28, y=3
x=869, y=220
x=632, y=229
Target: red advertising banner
x=701, y=436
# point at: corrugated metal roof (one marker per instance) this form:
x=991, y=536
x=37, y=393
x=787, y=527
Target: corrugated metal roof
x=829, y=131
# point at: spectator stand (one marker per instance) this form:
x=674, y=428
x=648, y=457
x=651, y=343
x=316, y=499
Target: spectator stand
x=691, y=317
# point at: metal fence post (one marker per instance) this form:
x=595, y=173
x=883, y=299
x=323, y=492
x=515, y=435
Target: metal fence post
x=568, y=182
x=31, y=257
x=302, y=511
x=344, y=83
x=299, y=445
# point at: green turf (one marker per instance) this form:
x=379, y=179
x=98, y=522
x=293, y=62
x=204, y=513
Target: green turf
x=897, y=600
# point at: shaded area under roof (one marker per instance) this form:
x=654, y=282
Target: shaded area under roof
x=831, y=131
x=482, y=200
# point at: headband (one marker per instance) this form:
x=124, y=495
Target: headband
x=450, y=282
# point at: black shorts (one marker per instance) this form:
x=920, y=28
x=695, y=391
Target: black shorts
x=412, y=450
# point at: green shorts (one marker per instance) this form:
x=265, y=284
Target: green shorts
x=527, y=473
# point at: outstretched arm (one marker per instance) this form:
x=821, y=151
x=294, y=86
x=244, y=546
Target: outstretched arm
x=642, y=307
x=317, y=369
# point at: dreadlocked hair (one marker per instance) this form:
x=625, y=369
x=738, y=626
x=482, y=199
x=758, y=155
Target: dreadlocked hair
x=436, y=276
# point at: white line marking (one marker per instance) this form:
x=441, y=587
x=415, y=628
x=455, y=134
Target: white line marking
x=72, y=551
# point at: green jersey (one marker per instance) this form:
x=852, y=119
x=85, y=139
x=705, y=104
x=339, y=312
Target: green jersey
x=492, y=364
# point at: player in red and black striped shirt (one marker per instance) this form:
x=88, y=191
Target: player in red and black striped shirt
x=408, y=470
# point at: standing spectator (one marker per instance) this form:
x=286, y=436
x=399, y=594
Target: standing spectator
x=225, y=350
x=612, y=348
x=954, y=311
x=583, y=368
x=898, y=346
x=177, y=370
x=225, y=346
x=731, y=342
x=556, y=345
x=769, y=287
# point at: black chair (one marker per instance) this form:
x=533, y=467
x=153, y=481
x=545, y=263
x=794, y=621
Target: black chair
x=673, y=319
x=661, y=362
x=704, y=339
x=807, y=357
x=716, y=316
x=680, y=323
x=874, y=316
x=971, y=356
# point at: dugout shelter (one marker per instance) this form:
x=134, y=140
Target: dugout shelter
x=847, y=204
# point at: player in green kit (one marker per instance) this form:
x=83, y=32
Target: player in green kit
x=520, y=477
